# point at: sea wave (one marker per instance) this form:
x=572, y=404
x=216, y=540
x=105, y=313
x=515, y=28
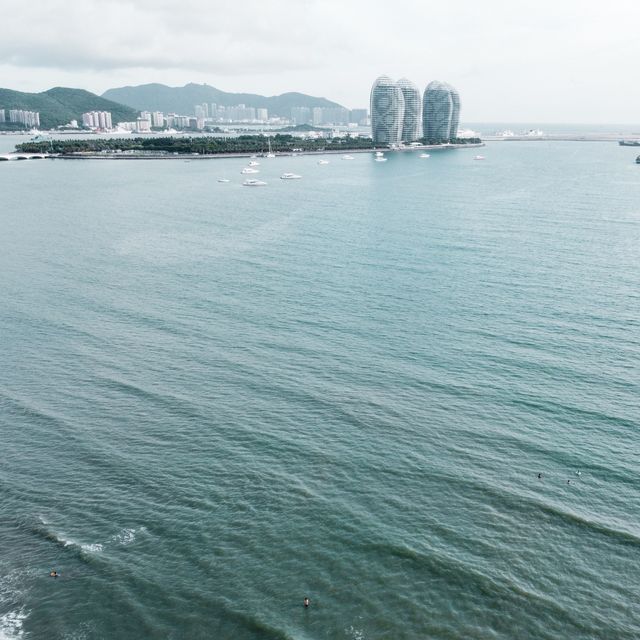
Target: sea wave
x=11, y=625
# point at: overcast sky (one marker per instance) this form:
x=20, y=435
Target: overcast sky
x=519, y=61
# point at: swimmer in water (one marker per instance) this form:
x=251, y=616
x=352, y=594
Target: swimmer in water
x=53, y=573
x=306, y=602
x=539, y=475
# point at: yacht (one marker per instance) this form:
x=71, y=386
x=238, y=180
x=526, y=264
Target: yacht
x=381, y=158
x=425, y=155
x=323, y=162
x=347, y=157
x=379, y=154
x=223, y=180
x=290, y=176
x=253, y=163
x=250, y=170
x=253, y=183
x=478, y=158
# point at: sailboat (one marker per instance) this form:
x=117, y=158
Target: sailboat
x=270, y=154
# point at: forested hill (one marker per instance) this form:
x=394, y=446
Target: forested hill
x=59, y=105
x=160, y=97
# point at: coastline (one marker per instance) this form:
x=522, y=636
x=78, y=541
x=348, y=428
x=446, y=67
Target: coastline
x=213, y=156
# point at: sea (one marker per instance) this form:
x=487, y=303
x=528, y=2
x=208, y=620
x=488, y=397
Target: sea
x=407, y=390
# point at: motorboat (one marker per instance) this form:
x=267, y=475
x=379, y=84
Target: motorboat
x=253, y=183
x=379, y=154
x=323, y=161
x=478, y=158
x=425, y=155
x=381, y=159
x=253, y=163
x=250, y=170
x=290, y=176
x=223, y=180
x=347, y=157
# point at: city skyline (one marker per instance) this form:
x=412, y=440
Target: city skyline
x=497, y=58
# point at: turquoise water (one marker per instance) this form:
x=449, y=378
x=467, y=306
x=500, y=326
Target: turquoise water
x=215, y=400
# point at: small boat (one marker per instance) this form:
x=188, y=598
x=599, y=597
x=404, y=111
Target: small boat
x=347, y=157
x=253, y=163
x=290, y=176
x=223, y=180
x=424, y=155
x=478, y=158
x=381, y=159
x=379, y=154
x=250, y=170
x=253, y=183
x=323, y=162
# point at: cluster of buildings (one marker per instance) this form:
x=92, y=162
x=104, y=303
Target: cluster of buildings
x=400, y=114
x=319, y=116
x=18, y=116
x=97, y=120
x=214, y=114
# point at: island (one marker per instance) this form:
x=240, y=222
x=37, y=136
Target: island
x=212, y=146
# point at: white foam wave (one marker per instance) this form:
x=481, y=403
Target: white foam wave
x=92, y=548
x=11, y=625
x=356, y=634
x=125, y=536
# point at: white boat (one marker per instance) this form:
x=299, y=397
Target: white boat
x=381, y=159
x=253, y=183
x=379, y=154
x=223, y=180
x=250, y=170
x=425, y=155
x=253, y=163
x=347, y=157
x=323, y=162
x=290, y=176
x=478, y=158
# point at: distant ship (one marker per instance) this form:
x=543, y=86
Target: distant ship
x=629, y=143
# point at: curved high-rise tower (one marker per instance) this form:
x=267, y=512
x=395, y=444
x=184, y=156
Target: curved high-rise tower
x=455, y=113
x=387, y=111
x=437, y=112
x=412, y=120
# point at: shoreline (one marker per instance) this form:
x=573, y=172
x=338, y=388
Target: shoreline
x=213, y=156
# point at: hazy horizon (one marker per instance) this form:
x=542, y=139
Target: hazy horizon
x=539, y=62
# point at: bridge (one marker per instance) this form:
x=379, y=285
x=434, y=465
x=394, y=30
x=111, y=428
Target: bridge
x=5, y=157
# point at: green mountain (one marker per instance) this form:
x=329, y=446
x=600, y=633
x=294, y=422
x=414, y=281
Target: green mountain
x=181, y=100
x=59, y=105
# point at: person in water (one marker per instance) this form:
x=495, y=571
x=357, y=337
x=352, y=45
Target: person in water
x=307, y=602
x=53, y=573
x=539, y=475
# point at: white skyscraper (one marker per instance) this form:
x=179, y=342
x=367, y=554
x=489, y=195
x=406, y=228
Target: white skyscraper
x=387, y=111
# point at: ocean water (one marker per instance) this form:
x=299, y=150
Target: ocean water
x=216, y=400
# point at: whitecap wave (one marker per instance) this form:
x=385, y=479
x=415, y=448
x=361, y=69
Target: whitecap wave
x=356, y=634
x=125, y=537
x=11, y=625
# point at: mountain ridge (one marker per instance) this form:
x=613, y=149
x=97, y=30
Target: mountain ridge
x=160, y=97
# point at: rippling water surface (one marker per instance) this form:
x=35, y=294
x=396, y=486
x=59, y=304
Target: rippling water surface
x=216, y=400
